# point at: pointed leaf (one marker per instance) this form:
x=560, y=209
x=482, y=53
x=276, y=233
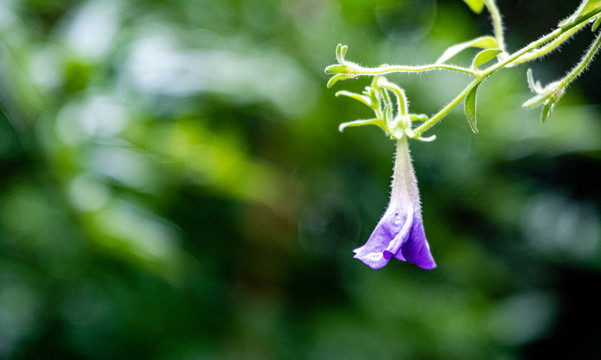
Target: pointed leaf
x=363, y=98
x=425, y=139
x=411, y=134
x=470, y=108
x=334, y=79
x=534, y=86
x=475, y=5
x=535, y=101
x=590, y=5
x=418, y=117
x=377, y=122
x=335, y=69
x=485, y=56
x=546, y=111
x=483, y=42
x=596, y=24
x=341, y=52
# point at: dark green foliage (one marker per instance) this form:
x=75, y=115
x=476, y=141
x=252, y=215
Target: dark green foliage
x=174, y=186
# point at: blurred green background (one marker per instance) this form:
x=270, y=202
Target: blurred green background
x=173, y=186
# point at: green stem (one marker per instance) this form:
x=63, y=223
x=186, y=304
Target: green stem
x=550, y=46
x=540, y=42
x=388, y=69
x=516, y=55
x=444, y=111
x=497, y=22
x=584, y=62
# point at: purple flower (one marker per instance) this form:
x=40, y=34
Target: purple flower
x=400, y=232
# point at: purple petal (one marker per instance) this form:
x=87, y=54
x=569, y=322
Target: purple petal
x=416, y=249
x=399, y=236
x=376, y=253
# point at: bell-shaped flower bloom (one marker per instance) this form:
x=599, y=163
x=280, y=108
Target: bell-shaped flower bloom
x=400, y=232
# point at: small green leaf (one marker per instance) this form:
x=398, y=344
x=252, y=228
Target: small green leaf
x=378, y=122
x=590, y=5
x=483, y=42
x=363, y=98
x=475, y=5
x=470, y=108
x=425, y=139
x=334, y=79
x=534, y=86
x=335, y=69
x=485, y=56
x=596, y=24
x=535, y=101
x=418, y=117
x=341, y=52
x=546, y=111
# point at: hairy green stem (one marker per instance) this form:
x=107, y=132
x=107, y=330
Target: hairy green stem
x=540, y=42
x=550, y=46
x=584, y=62
x=389, y=69
x=497, y=22
x=445, y=110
